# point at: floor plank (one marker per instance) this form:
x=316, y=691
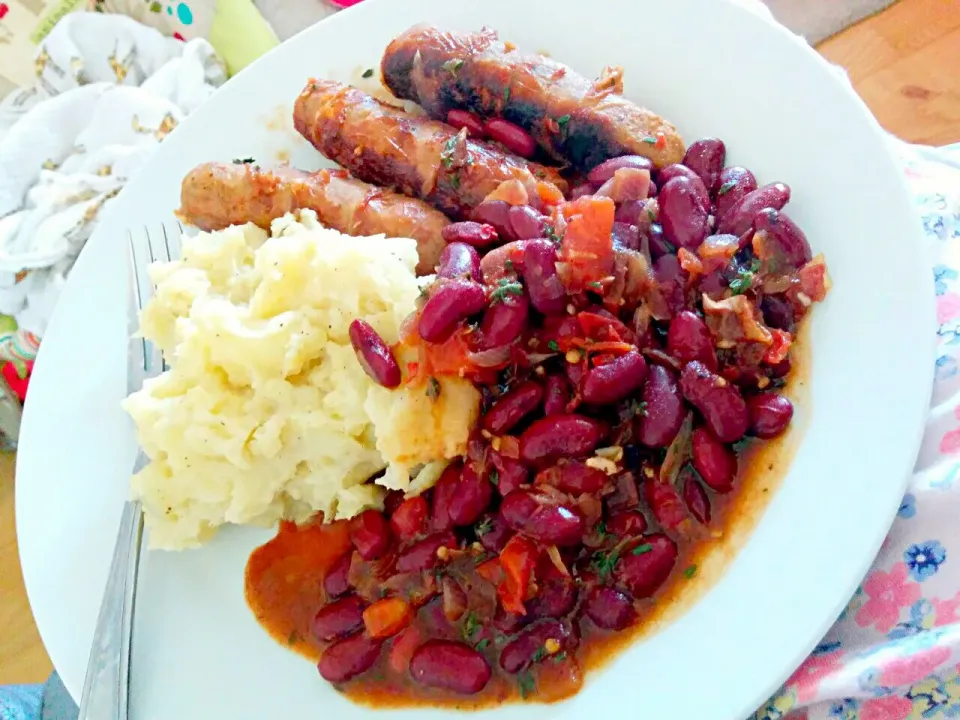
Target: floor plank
x=902, y=61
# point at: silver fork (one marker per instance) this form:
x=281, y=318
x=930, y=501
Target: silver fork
x=106, y=686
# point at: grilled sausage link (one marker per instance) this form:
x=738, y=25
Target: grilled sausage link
x=573, y=119
x=416, y=156
x=216, y=195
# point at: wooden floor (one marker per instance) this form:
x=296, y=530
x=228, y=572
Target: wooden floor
x=905, y=63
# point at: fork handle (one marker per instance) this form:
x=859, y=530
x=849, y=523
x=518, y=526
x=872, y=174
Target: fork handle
x=107, y=682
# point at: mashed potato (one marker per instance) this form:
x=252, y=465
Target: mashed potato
x=266, y=412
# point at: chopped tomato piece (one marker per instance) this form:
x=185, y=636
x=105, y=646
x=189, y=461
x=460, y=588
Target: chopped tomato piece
x=491, y=571
x=549, y=193
x=518, y=559
x=617, y=348
x=510, y=447
x=409, y=519
x=387, y=617
x=814, y=281
x=690, y=262
x=403, y=649
x=779, y=348
x=587, y=246
x=601, y=328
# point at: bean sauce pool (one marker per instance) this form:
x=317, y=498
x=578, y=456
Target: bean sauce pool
x=638, y=348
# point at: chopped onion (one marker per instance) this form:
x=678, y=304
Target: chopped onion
x=554, y=554
x=678, y=453
x=497, y=357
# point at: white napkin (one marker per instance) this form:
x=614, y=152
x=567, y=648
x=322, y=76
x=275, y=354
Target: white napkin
x=108, y=91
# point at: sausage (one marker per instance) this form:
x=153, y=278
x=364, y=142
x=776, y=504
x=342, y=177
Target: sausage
x=573, y=119
x=216, y=195
x=419, y=157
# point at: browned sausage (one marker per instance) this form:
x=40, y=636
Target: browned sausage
x=216, y=195
x=413, y=155
x=573, y=119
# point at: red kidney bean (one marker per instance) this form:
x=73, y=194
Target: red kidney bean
x=696, y=500
x=609, y=608
x=504, y=262
x=683, y=218
x=525, y=222
x=663, y=413
x=720, y=402
x=529, y=644
x=781, y=369
x=442, y=495
x=627, y=523
x=511, y=474
x=706, y=157
x=547, y=293
x=786, y=234
x=664, y=500
x=348, y=658
x=504, y=321
x=715, y=462
x=770, y=414
x=539, y=516
x=582, y=190
x=466, y=119
x=471, y=497
x=338, y=619
x=605, y=170
x=740, y=217
x=370, y=534
x=652, y=190
x=735, y=183
x=644, y=569
x=699, y=189
x=393, y=500
x=555, y=599
x=689, y=339
x=556, y=395
x=336, y=582
x=573, y=477
x=449, y=665
x=559, y=436
x=777, y=312
x=512, y=407
x=453, y=301
x=513, y=137
x=459, y=260
x=410, y=519
x=422, y=555
x=613, y=381
x=374, y=354
x=495, y=212
x=495, y=539
x=478, y=235
x=625, y=237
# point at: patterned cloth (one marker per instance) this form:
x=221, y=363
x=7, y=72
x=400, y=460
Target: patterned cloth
x=894, y=654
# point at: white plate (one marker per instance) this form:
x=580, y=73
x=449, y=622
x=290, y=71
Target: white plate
x=712, y=68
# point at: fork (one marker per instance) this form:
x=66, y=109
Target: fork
x=106, y=687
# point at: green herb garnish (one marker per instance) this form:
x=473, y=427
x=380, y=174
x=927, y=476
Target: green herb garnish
x=639, y=409
x=603, y=563
x=552, y=235
x=601, y=530
x=528, y=685
x=494, y=477
x=293, y=638
x=455, y=181
x=539, y=655
x=563, y=120
x=367, y=73
x=727, y=187
x=554, y=345
x=485, y=525
x=651, y=215
x=595, y=285
x=690, y=572
x=560, y=657
x=243, y=161
x=446, y=155
x=433, y=388
x=744, y=279
x=470, y=626
x=642, y=549
x=505, y=287
x=508, y=265
x=482, y=645
x=506, y=94
x=650, y=140
x=452, y=66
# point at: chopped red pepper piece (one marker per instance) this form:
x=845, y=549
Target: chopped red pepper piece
x=779, y=348
x=518, y=559
x=586, y=250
